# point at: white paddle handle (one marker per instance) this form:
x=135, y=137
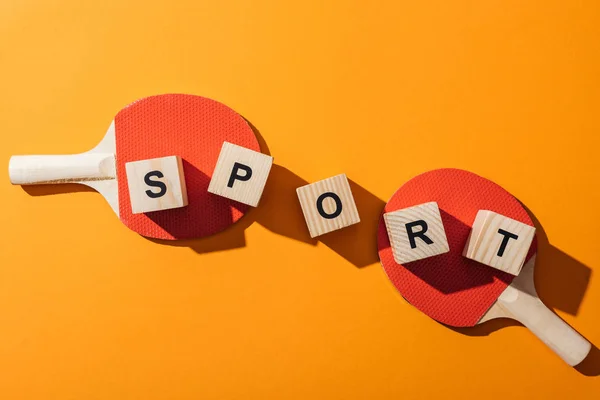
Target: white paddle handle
x=34, y=170
x=546, y=325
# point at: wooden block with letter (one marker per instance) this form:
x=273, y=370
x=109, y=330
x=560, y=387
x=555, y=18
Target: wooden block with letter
x=240, y=174
x=328, y=205
x=156, y=184
x=416, y=232
x=499, y=242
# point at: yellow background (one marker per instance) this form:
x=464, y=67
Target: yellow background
x=379, y=90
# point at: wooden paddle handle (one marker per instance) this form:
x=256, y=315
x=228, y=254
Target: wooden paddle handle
x=35, y=170
x=550, y=328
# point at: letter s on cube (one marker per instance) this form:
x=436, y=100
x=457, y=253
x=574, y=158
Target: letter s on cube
x=240, y=174
x=416, y=232
x=156, y=184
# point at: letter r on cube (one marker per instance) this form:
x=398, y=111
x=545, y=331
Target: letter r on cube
x=416, y=232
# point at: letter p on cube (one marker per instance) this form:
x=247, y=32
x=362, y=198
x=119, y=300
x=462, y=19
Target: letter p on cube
x=240, y=174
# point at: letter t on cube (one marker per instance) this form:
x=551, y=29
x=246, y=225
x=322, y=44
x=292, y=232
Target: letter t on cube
x=416, y=232
x=240, y=174
x=499, y=242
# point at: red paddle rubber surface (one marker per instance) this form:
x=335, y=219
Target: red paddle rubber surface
x=449, y=287
x=193, y=128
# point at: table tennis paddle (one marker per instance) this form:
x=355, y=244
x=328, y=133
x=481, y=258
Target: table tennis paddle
x=460, y=292
x=188, y=126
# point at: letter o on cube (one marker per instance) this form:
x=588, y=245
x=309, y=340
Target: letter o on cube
x=328, y=205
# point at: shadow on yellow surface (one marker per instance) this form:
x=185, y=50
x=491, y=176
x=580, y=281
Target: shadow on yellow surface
x=48, y=190
x=561, y=282
x=280, y=212
x=591, y=365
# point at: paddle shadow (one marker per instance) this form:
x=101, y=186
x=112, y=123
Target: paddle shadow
x=50, y=190
x=591, y=365
x=561, y=282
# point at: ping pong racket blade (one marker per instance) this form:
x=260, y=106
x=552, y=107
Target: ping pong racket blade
x=457, y=291
x=191, y=127
x=520, y=301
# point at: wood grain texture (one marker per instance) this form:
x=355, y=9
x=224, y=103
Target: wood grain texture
x=485, y=242
x=398, y=232
x=245, y=191
x=173, y=177
x=520, y=301
x=309, y=196
x=49, y=169
x=95, y=168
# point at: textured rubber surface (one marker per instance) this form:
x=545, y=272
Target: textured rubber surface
x=449, y=287
x=193, y=128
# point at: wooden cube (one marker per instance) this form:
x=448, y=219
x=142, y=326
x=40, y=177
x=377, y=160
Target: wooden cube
x=416, y=232
x=240, y=174
x=499, y=242
x=328, y=205
x=156, y=184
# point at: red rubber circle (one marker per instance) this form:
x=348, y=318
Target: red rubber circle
x=193, y=128
x=449, y=287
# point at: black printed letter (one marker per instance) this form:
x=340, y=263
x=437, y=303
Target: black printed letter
x=505, y=239
x=158, y=184
x=420, y=234
x=338, y=205
x=234, y=174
